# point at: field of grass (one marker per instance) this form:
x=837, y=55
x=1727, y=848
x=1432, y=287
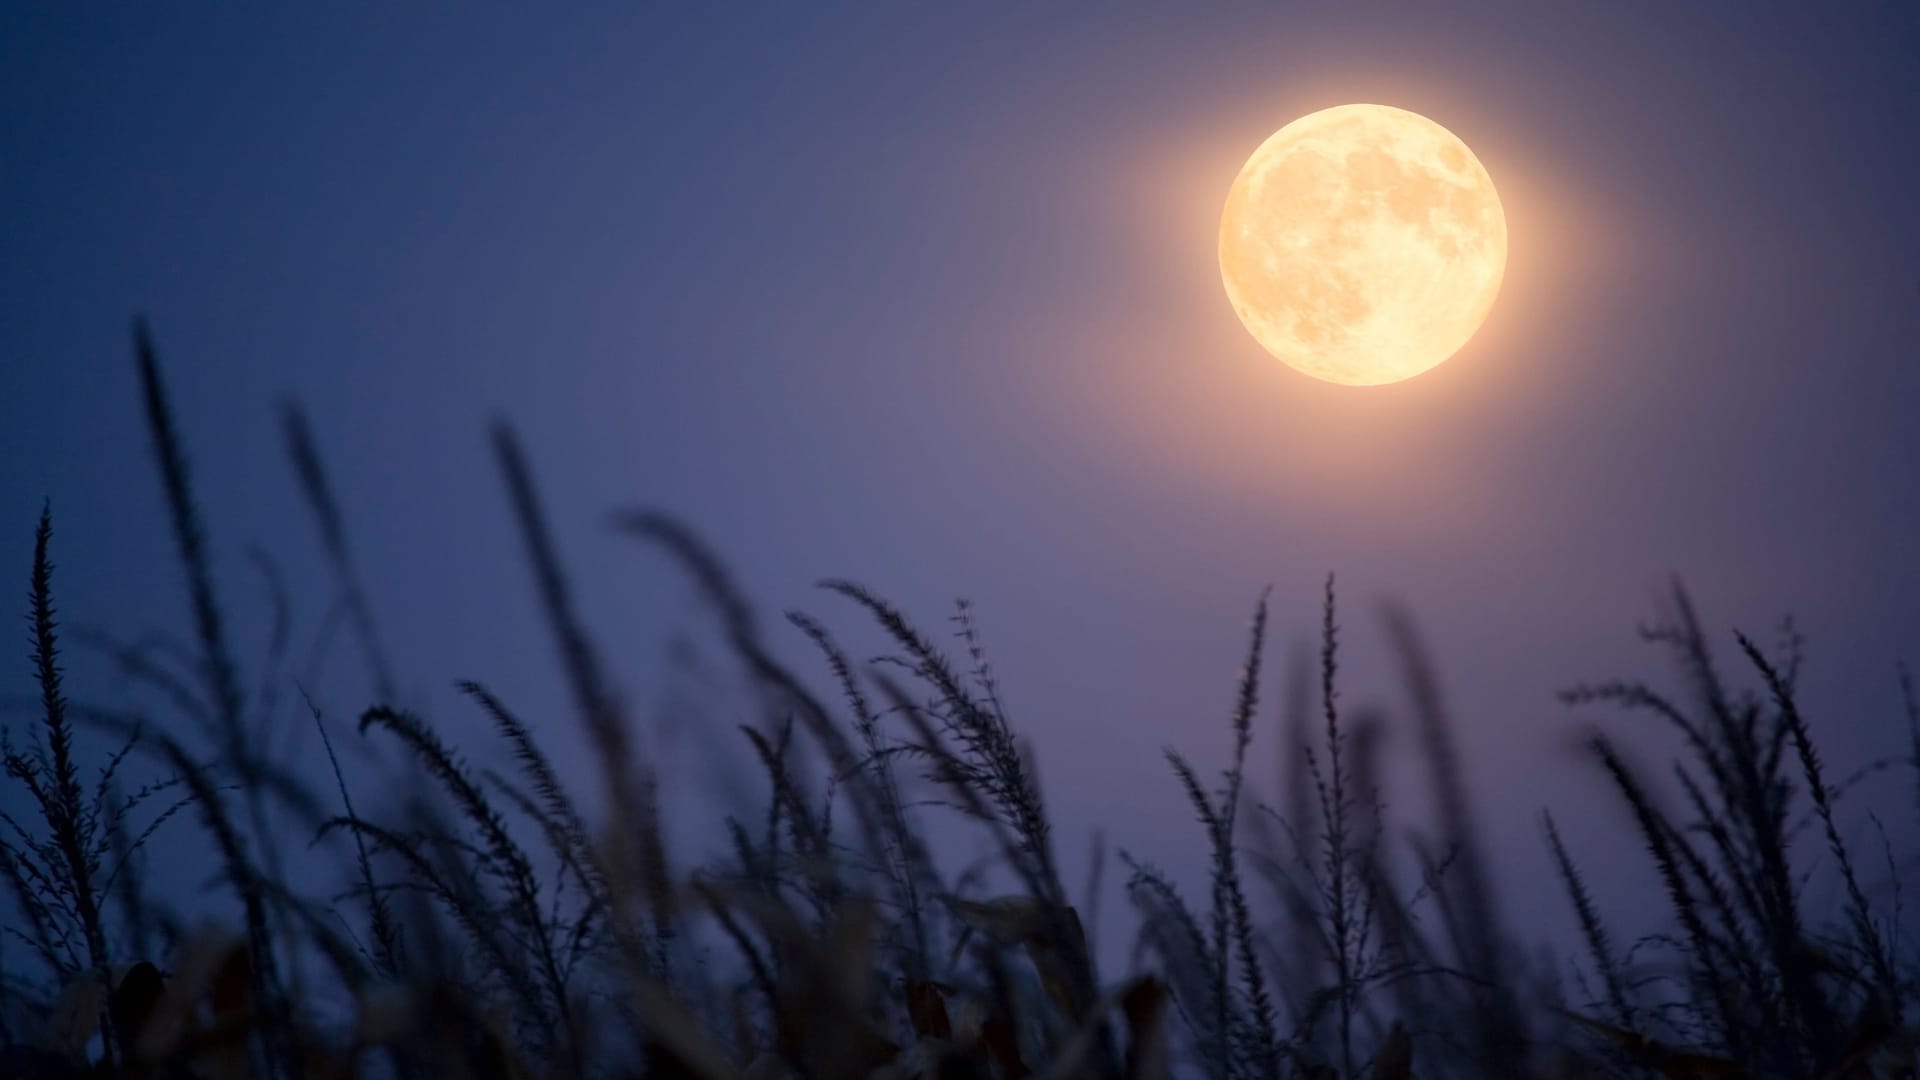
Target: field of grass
x=524, y=925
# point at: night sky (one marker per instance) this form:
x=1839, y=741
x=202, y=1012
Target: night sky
x=929, y=299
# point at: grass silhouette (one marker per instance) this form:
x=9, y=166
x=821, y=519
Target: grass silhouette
x=494, y=926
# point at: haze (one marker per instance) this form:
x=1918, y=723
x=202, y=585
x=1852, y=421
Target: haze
x=928, y=299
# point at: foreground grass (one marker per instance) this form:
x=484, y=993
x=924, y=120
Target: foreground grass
x=494, y=926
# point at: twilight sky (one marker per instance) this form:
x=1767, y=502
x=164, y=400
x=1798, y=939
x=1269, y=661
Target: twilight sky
x=929, y=299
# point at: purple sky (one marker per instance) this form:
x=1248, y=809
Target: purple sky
x=929, y=299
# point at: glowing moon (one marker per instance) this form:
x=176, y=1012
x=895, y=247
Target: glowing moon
x=1363, y=244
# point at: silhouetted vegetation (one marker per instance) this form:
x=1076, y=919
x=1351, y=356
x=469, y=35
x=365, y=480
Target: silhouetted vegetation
x=524, y=923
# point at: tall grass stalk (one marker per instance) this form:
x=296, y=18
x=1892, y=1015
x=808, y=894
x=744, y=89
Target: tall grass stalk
x=498, y=922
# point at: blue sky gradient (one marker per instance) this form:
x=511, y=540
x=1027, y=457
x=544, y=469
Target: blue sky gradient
x=925, y=296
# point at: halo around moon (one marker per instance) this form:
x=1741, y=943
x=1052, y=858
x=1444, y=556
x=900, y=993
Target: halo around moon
x=1363, y=244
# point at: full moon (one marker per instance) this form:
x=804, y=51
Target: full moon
x=1363, y=244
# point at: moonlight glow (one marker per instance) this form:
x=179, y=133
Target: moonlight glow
x=1362, y=244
